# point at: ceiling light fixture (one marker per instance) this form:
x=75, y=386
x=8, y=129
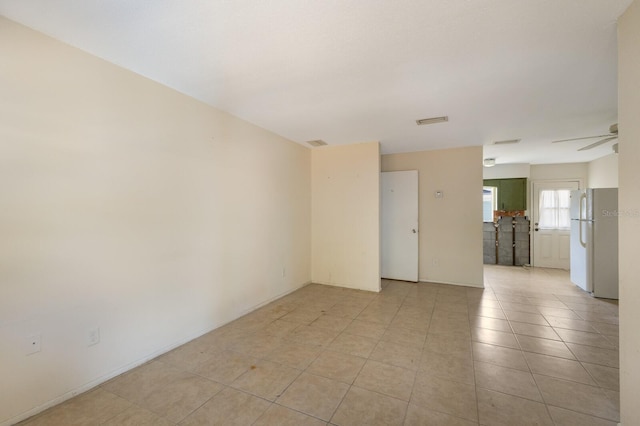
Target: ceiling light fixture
x=507, y=142
x=432, y=120
x=489, y=162
x=317, y=143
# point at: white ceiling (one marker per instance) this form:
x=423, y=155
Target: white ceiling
x=360, y=70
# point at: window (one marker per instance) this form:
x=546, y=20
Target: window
x=554, y=209
x=489, y=202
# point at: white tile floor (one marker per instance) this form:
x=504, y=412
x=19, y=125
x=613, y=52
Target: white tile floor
x=529, y=349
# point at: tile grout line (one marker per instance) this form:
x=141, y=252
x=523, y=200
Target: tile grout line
x=473, y=363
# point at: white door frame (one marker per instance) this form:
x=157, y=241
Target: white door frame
x=534, y=206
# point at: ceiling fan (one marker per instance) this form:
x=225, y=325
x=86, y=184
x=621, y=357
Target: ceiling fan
x=613, y=134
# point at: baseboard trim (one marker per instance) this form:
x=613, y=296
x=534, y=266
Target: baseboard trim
x=102, y=379
x=423, y=280
x=338, y=285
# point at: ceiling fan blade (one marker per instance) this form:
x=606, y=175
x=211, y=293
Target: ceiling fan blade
x=600, y=142
x=586, y=137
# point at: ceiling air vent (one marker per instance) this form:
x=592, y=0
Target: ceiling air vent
x=507, y=142
x=432, y=120
x=317, y=143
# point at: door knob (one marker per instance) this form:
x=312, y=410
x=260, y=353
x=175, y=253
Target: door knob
x=413, y=230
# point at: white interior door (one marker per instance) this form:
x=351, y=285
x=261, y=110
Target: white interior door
x=551, y=224
x=399, y=223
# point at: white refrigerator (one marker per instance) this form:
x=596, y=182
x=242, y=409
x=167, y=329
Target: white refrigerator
x=594, y=241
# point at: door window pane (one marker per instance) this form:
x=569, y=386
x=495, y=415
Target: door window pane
x=554, y=209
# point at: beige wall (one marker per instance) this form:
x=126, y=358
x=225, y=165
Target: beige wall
x=600, y=173
x=450, y=227
x=566, y=171
x=346, y=215
x=629, y=206
x=127, y=206
x=603, y=172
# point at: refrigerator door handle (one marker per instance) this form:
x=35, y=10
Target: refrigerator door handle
x=583, y=197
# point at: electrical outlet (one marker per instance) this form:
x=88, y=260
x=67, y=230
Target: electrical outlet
x=93, y=336
x=33, y=344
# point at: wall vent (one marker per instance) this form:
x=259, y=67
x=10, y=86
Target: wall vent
x=507, y=142
x=432, y=120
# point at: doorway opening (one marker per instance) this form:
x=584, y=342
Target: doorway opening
x=505, y=224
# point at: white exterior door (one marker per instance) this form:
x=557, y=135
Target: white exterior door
x=399, y=223
x=551, y=223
